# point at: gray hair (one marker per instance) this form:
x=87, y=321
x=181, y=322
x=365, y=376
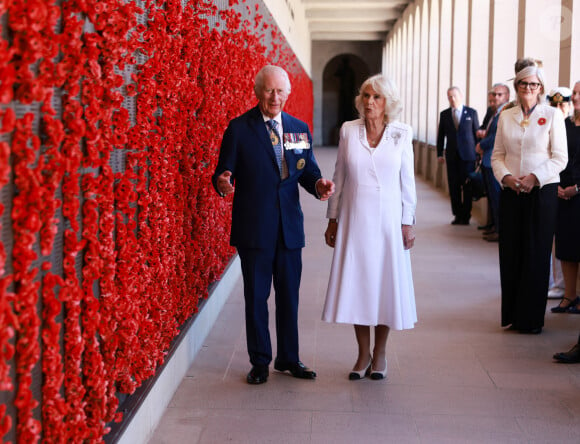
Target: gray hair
x=386, y=88
x=502, y=85
x=531, y=71
x=455, y=88
x=270, y=69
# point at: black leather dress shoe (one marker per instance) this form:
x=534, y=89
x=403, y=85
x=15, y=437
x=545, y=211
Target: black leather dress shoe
x=258, y=374
x=530, y=331
x=569, y=357
x=297, y=369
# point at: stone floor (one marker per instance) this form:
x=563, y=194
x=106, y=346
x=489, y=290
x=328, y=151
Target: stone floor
x=458, y=377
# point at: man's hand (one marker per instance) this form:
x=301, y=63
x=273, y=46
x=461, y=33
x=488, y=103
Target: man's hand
x=478, y=149
x=324, y=188
x=224, y=185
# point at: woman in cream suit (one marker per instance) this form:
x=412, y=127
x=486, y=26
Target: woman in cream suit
x=529, y=153
x=370, y=226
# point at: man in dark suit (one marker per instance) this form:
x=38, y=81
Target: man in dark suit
x=489, y=113
x=488, y=226
x=501, y=95
x=458, y=126
x=265, y=153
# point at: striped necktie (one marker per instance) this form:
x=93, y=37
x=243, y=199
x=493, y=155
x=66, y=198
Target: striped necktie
x=277, y=145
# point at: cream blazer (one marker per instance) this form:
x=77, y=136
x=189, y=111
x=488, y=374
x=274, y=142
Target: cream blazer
x=540, y=148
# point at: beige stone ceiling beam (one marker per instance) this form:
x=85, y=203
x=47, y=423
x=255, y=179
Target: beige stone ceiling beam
x=368, y=20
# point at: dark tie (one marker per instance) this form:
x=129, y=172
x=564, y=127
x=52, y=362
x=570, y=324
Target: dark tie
x=277, y=145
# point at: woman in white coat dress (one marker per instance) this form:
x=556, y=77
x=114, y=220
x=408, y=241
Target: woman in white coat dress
x=370, y=226
x=530, y=151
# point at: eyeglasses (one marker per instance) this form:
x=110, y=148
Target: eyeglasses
x=532, y=85
x=496, y=94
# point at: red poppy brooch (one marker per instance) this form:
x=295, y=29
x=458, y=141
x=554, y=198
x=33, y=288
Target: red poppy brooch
x=541, y=121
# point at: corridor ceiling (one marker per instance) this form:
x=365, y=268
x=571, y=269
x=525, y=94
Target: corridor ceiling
x=368, y=20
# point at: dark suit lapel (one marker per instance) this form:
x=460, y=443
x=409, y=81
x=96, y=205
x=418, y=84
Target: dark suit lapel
x=290, y=158
x=448, y=115
x=463, y=116
x=493, y=124
x=287, y=129
x=449, y=118
x=259, y=127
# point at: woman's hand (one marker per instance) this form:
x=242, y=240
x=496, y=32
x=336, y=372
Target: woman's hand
x=511, y=182
x=408, y=236
x=527, y=183
x=561, y=193
x=567, y=193
x=330, y=234
x=523, y=184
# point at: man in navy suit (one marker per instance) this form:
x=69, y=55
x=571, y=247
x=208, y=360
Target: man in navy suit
x=458, y=126
x=265, y=153
x=501, y=96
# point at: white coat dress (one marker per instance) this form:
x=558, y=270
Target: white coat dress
x=370, y=280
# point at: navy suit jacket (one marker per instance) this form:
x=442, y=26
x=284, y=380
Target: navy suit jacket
x=489, y=113
x=461, y=140
x=262, y=201
x=488, y=141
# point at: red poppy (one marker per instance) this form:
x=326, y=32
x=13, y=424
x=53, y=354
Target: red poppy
x=141, y=219
x=541, y=121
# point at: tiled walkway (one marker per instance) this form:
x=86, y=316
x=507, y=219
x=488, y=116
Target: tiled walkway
x=458, y=377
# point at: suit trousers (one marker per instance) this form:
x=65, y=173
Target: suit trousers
x=460, y=194
x=526, y=231
x=261, y=266
x=493, y=190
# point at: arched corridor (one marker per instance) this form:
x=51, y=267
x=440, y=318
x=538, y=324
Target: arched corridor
x=113, y=239
x=457, y=377
x=341, y=78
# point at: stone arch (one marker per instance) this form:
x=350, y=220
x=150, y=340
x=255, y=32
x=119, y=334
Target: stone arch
x=341, y=79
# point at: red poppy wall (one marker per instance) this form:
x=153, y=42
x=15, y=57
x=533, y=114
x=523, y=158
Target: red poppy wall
x=110, y=123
